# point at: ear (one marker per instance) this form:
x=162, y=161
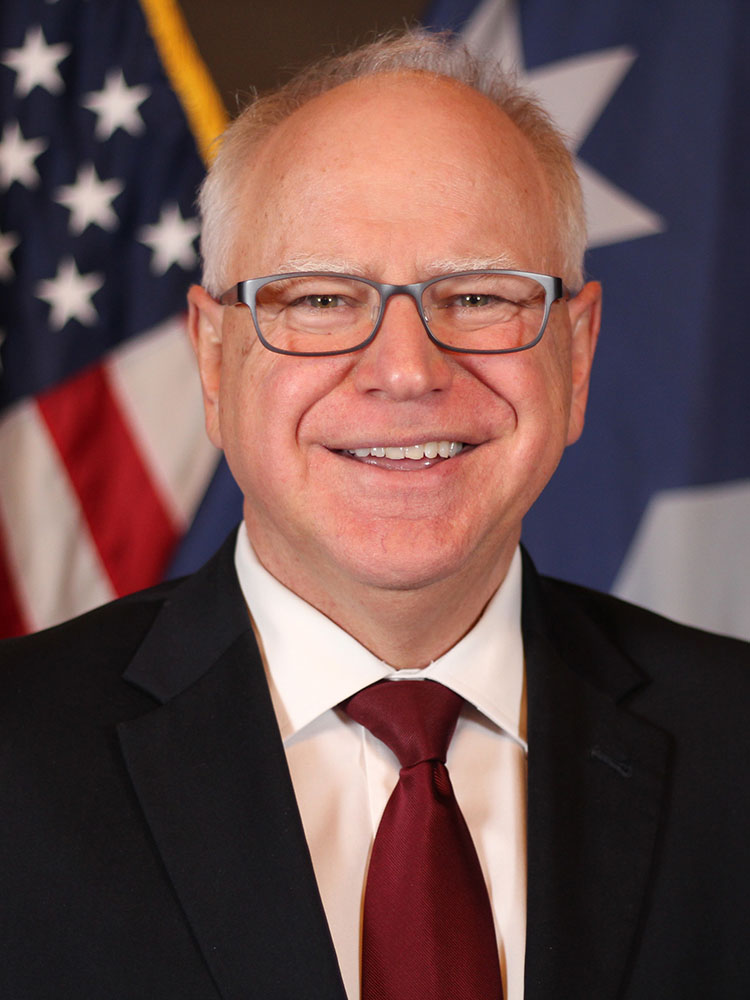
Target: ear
x=585, y=312
x=205, y=328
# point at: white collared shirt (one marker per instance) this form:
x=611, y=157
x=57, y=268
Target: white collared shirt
x=343, y=776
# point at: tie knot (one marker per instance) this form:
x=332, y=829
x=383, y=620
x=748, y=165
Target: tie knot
x=415, y=719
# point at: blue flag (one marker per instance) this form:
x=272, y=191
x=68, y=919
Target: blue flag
x=654, y=501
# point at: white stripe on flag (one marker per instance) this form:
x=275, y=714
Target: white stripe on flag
x=55, y=566
x=155, y=381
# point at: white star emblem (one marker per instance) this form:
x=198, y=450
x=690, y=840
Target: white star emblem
x=574, y=92
x=90, y=200
x=8, y=243
x=17, y=157
x=35, y=63
x=69, y=295
x=116, y=106
x=171, y=240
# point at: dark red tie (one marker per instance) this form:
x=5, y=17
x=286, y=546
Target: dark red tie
x=428, y=932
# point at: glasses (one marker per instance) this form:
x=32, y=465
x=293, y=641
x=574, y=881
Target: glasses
x=319, y=314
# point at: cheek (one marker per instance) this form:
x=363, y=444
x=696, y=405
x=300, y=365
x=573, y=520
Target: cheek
x=535, y=388
x=240, y=384
x=265, y=399
x=535, y=385
x=246, y=396
x=553, y=382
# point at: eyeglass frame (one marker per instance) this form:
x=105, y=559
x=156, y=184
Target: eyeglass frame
x=245, y=293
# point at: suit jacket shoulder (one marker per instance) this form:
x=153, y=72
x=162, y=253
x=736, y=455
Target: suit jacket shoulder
x=663, y=646
x=638, y=805
x=77, y=661
x=150, y=844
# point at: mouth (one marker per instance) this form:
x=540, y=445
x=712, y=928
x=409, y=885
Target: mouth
x=407, y=458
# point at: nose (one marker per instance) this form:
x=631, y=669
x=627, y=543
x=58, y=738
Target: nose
x=402, y=362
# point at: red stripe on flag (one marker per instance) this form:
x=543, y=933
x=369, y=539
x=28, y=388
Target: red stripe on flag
x=12, y=619
x=128, y=520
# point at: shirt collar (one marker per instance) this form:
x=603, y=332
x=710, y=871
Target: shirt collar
x=312, y=665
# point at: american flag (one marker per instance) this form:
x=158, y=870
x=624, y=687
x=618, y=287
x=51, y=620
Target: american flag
x=103, y=456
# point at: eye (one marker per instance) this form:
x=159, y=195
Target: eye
x=475, y=300
x=324, y=301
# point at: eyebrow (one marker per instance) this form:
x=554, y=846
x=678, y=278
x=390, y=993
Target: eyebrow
x=443, y=265
x=315, y=262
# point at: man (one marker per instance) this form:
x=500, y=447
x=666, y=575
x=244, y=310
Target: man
x=189, y=800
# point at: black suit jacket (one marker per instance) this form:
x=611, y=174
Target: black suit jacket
x=150, y=844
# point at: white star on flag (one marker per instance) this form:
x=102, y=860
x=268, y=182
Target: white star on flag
x=90, y=200
x=17, y=156
x=69, y=295
x=35, y=63
x=171, y=240
x=574, y=92
x=116, y=105
x=8, y=243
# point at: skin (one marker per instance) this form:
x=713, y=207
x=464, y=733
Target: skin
x=392, y=176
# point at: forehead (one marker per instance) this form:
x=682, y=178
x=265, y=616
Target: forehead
x=405, y=157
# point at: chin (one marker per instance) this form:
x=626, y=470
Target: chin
x=390, y=562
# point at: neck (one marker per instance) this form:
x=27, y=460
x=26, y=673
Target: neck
x=406, y=628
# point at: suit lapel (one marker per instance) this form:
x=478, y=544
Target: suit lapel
x=597, y=777
x=210, y=773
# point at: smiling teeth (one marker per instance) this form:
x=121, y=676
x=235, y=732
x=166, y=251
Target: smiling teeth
x=432, y=449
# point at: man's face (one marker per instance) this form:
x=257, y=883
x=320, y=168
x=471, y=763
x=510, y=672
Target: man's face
x=396, y=178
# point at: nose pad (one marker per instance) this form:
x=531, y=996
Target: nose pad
x=374, y=309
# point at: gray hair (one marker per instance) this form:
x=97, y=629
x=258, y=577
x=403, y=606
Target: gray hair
x=413, y=49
